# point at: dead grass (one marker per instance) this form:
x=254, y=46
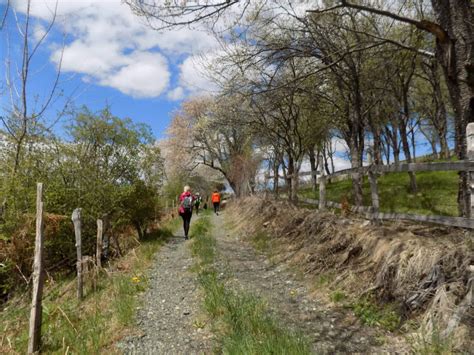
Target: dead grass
x=423, y=270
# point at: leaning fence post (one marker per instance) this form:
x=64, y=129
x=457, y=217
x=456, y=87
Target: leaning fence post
x=322, y=185
x=76, y=219
x=38, y=277
x=100, y=231
x=470, y=174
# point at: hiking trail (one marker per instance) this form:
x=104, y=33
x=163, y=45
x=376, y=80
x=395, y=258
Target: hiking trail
x=171, y=306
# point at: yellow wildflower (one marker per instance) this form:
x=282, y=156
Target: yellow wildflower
x=136, y=279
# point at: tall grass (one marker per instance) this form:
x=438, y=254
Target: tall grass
x=241, y=320
x=95, y=324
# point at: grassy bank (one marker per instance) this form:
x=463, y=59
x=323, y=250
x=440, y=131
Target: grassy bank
x=95, y=324
x=437, y=193
x=240, y=320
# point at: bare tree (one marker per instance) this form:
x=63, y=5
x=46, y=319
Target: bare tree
x=26, y=119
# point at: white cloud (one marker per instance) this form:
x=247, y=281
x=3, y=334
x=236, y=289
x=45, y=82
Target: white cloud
x=39, y=31
x=176, y=94
x=192, y=76
x=146, y=75
x=112, y=47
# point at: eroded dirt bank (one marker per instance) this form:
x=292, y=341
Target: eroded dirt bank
x=423, y=271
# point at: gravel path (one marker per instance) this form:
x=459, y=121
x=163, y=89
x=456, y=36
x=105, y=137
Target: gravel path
x=170, y=314
x=329, y=329
x=168, y=317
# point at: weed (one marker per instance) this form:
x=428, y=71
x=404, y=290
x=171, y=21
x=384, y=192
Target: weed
x=260, y=241
x=324, y=279
x=374, y=315
x=427, y=342
x=337, y=296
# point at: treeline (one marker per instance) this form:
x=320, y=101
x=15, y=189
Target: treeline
x=294, y=79
x=108, y=166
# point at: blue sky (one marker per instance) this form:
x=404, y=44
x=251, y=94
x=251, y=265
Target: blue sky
x=109, y=56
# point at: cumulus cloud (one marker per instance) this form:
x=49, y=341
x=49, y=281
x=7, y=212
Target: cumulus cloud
x=110, y=46
x=145, y=75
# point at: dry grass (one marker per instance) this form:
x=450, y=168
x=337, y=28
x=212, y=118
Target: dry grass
x=422, y=269
x=94, y=325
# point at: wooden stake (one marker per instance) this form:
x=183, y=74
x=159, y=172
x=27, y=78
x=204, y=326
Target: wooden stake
x=38, y=277
x=100, y=231
x=76, y=219
x=470, y=156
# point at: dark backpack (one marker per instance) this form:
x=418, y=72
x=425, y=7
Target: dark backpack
x=187, y=203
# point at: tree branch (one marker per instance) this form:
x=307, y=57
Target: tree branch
x=424, y=25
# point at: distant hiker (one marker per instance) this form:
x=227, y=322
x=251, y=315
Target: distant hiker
x=197, y=201
x=185, y=209
x=216, y=201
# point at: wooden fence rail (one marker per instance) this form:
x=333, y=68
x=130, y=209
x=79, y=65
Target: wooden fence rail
x=369, y=213
x=373, y=171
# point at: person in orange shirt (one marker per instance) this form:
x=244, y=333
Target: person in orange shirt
x=216, y=201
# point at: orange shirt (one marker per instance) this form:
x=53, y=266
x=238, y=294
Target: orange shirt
x=216, y=197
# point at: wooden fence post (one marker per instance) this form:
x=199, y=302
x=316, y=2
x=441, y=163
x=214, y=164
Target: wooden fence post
x=34, y=338
x=100, y=231
x=470, y=156
x=374, y=191
x=322, y=185
x=76, y=219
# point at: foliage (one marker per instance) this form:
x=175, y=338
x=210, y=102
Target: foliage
x=106, y=165
x=374, y=315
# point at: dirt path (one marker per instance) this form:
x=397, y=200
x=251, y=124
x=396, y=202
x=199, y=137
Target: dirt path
x=170, y=306
x=329, y=330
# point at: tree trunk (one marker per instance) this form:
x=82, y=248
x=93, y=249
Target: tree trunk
x=314, y=168
x=441, y=118
x=139, y=229
x=291, y=179
x=356, y=178
x=276, y=182
x=404, y=137
x=455, y=52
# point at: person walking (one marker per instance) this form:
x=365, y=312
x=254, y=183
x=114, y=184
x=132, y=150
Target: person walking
x=185, y=210
x=216, y=201
x=197, y=202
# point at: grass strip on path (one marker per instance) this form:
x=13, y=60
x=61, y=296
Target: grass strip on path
x=240, y=320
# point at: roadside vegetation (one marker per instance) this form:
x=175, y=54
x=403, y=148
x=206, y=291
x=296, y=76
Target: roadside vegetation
x=93, y=325
x=378, y=273
x=436, y=194
x=240, y=320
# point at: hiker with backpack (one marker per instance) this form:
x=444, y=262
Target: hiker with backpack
x=185, y=210
x=197, y=202
x=216, y=201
